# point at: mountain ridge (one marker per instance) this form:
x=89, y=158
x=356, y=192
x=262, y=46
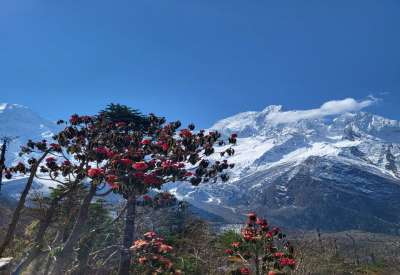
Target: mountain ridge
x=334, y=172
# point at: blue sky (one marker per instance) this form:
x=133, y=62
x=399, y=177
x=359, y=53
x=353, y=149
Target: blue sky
x=198, y=60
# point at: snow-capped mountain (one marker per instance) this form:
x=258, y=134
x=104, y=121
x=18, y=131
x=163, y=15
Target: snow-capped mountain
x=332, y=172
x=21, y=124
x=301, y=170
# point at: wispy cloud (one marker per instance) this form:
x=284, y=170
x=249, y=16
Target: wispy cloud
x=334, y=107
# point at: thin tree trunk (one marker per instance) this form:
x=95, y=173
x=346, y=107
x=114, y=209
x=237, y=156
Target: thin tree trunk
x=35, y=251
x=85, y=248
x=2, y=160
x=129, y=235
x=17, y=212
x=65, y=258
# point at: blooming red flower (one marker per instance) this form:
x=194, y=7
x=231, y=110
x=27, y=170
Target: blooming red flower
x=272, y=273
x=248, y=234
x=139, y=244
x=146, y=142
x=105, y=151
x=146, y=198
x=164, y=248
x=95, y=172
x=66, y=163
x=235, y=244
x=140, y=166
x=228, y=251
x=50, y=159
x=186, y=133
x=287, y=262
x=188, y=174
x=74, y=119
x=279, y=254
x=165, y=146
x=234, y=135
x=244, y=271
x=55, y=146
x=262, y=222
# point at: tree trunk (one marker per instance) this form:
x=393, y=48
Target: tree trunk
x=2, y=160
x=65, y=258
x=85, y=248
x=129, y=235
x=17, y=212
x=35, y=251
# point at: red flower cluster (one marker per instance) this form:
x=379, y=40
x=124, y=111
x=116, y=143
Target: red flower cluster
x=185, y=133
x=104, y=152
x=95, y=172
x=153, y=254
x=261, y=249
x=140, y=166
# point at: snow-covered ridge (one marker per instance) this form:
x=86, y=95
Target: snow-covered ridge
x=329, y=160
x=21, y=123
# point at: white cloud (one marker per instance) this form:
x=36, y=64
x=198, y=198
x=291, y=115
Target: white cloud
x=334, y=107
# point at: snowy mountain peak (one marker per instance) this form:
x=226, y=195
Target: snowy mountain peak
x=4, y=107
x=22, y=123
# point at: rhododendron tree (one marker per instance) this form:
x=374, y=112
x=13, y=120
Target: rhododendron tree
x=153, y=255
x=262, y=249
x=127, y=155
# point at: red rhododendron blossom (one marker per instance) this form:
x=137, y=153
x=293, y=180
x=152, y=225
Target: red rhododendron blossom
x=164, y=248
x=55, y=146
x=139, y=244
x=244, y=271
x=140, y=166
x=50, y=159
x=74, y=119
x=95, y=172
x=146, y=198
x=66, y=163
x=105, y=151
x=185, y=133
x=261, y=250
x=248, y=234
x=146, y=142
x=165, y=146
x=287, y=262
x=235, y=244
